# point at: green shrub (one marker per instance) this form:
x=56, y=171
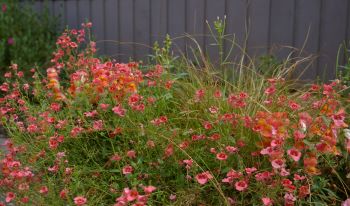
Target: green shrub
x=27, y=38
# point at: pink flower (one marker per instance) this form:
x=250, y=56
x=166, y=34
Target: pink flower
x=213, y=110
x=4, y=7
x=294, y=106
x=231, y=149
x=43, y=190
x=130, y=195
x=207, y=125
x=241, y=185
x=10, y=196
x=346, y=202
x=203, y=177
x=63, y=194
x=250, y=170
x=127, y=169
x=298, y=135
x=278, y=163
x=172, y=197
x=131, y=154
x=266, y=201
x=149, y=189
x=10, y=41
x=271, y=90
x=104, y=107
x=98, y=125
x=294, y=154
x=80, y=200
x=221, y=156
x=119, y=110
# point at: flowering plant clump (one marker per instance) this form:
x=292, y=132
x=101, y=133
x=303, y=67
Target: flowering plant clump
x=99, y=132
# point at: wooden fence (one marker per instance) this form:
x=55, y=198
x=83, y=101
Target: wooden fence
x=128, y=28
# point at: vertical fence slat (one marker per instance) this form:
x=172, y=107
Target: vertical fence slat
x=142, y=29
x=177, y=23
x=59, y=12
x=334, y=14
x=158, y=20
x=111, y=22
x=259, y=15
x=38, y=6
x=307, y=21
x=97, y=20
x=126, y=29
x=235, y=28
x=281, y=27
x=72, y=20
x=84, y=11
x=195, y=26
x=214, y=9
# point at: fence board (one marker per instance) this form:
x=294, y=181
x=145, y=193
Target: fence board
x=97, y=19
x=269, y=22
x=59, y=11
x=177, y=23
x=84, y=11
x=72, y=13
x=158, y=20
x=259, y=15
x=195, y=26
x=307, y=22
x=334, y=17
x=281, y=28
x=126, y=29
x=112, y=28
x=142, y=28
x=236, y=28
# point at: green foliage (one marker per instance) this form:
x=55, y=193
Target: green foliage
x=27, y=38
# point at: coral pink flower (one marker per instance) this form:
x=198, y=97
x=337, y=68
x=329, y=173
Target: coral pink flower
x=294, y=106
x=131, y=154
x=213, y=110
x=221, y=156
x=130, y=195
x=298, y=135
x=278, y=163
x=119, y=110
x=202, y=178
x=217, y=94
x=346, y=202
x=207, y=125
x=266, y=201
x=241, y=185
x=127, y=169
x=172, y=197
x=4, y=7
x=250, y=170
x=10, y=196
x=104, y=107
x=294, y=154
x=80, y=200
x=271, y=90
x=149, y=189
x=63, y=194
x=231, y=149
x=43, y=190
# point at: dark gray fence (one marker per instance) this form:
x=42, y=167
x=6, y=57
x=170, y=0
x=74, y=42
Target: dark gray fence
x=128, y=28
